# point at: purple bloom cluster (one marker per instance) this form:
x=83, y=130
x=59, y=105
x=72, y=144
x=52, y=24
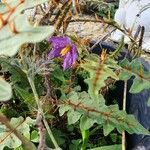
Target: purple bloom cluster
x=62, y=47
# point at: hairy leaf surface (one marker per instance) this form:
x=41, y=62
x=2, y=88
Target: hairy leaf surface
x=101, y=114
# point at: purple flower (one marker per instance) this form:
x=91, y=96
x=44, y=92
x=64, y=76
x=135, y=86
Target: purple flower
x=62, y=47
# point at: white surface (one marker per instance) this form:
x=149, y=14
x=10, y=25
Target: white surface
x=131, y=14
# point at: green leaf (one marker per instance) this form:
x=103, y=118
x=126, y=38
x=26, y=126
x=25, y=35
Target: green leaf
x=5, y=90
x=107, y=128
x=75, y=145
x=17, y=75
x=141, y=79
x=8, y=138
x=59, y=137
x=59, y=74
x=138, y=85
x=63, y=109
x=112, y=147
x=34, y=136
x=101, y=114
x=10, y=42
x=25, y=5
x=27, y=97
x=73, y=116
x=99, y=72
x=19, y=148
x=86, y=122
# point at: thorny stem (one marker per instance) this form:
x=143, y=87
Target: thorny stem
x=109, y=22
x=124, y=108
x=40, y=110
x=101, y=39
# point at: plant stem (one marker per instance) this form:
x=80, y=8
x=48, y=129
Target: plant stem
x=40, y=110
x=85, y=137
x=124, y=108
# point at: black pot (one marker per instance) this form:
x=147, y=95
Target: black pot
x=136, y=103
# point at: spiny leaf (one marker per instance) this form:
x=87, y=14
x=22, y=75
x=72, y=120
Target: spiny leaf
x=141, y=79
x=8, y=138
x=5, y=90
x=116, y=53
x=99, y=72
x=23, y=6
x=10, y=42
x=102, y=114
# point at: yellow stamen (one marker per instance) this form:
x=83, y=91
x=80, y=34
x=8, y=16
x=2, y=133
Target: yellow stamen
x=65, y=50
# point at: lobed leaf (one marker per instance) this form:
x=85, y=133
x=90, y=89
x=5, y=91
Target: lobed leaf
x=23, y=6
x=141, y=79
x=10, y=42
x=99, y=72
x=108, y=116
x=8, y=138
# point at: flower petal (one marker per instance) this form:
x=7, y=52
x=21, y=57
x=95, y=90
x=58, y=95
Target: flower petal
x=59, y=43
x=74, y=53
x=54, y=53
x=67, y=61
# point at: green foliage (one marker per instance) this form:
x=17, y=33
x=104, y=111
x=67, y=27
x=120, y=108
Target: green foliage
x=116, y=53
x=99, y=71
x=17, y=75
x=28, y=98
x=101, y=8
x=34, y=136
x=59, y=136
x=75, y=145
x=135, y=69
x=8, y=138
x=39, y=84
x=5, y=90
x=108, y=116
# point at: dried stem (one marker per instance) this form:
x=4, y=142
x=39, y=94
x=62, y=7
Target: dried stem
x=101, y=40
x=109, y=22
x=124, y=108
x=41, y=128
x=63, y=15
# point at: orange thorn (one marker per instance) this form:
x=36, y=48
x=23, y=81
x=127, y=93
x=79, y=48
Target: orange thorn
x=1, y=20
x=12, y=27
x=7, y=4
x=141, y=71
x=21, y=1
